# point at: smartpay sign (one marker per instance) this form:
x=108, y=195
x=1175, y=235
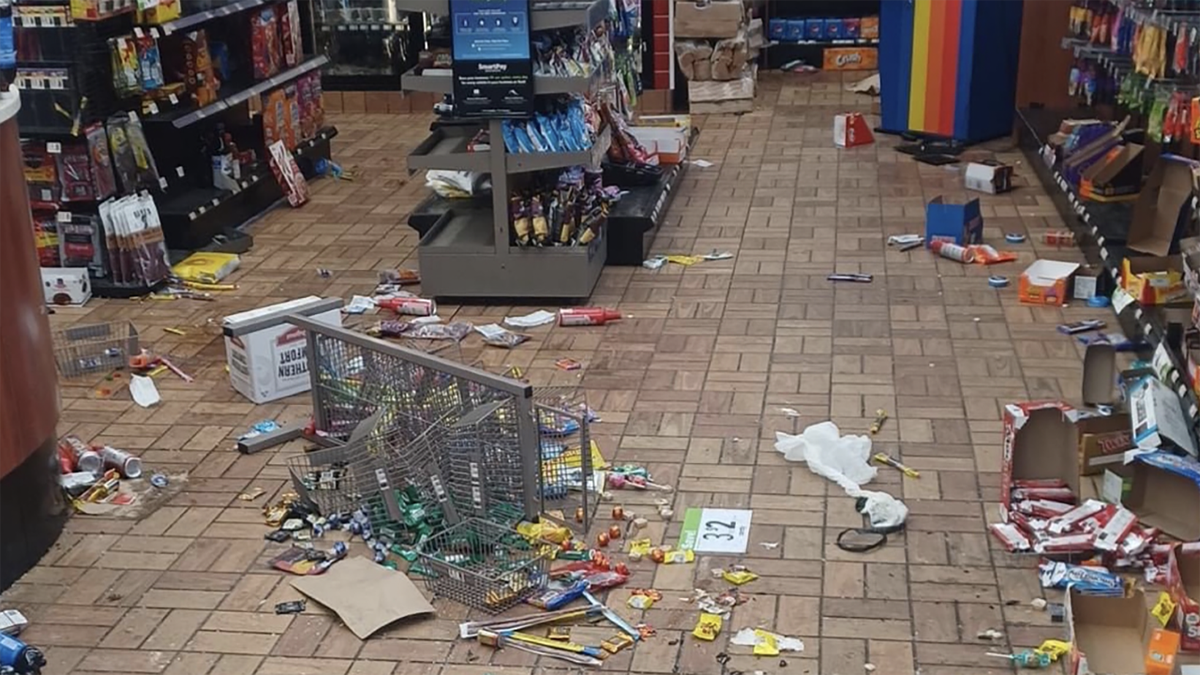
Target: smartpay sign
x=493, y=72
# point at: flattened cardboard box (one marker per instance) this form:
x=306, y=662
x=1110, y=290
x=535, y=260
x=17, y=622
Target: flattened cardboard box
x=1166, y=493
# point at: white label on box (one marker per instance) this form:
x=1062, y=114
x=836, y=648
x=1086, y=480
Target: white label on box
x=290, y=358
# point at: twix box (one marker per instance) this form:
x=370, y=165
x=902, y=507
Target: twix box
x=1183, y=582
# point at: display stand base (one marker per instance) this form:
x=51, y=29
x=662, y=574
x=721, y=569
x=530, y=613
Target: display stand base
x=34, y=512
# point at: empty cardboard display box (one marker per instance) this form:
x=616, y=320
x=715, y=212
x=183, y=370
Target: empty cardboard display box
x=1108, y=635
x=1166, y=494
x=1039, y=442
x=1099, y=374
x=1153, y=280
x=1161, y=213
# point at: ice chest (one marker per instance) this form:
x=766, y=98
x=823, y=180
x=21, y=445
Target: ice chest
x=267, y=356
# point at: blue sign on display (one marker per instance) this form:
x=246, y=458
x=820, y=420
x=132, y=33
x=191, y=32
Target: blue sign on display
x=493, y=73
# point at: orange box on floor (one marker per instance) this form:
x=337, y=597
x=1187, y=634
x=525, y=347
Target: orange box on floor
x=1161, y=652
x=1046, y=282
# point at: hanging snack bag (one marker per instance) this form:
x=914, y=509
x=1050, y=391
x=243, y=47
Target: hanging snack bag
x=150, y=62
x=45, y=237
x=126, y=72
x=274, y=117
x=74, y=174
x=264, y=43
x=102, y=171
x=289, y=34
x=122, y=155
x=147, y=170
x=304, y=95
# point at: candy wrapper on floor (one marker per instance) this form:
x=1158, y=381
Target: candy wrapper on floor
x=288, y=174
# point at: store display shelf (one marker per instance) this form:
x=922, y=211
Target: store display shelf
x=831, y=42
x=468, y=231
x=443, y=82
x=524, y=162
x=546, y=15
x=182, y=118
x=446, y=149
x=192, y=217
x=193, y=20
x=1089, y=221
x=432, y=208
x=633, y=221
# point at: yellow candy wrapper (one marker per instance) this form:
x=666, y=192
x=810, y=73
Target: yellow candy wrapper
x=677, y=557
x=766, y=645
x=1164, y=609
x=708, y=627
x=737, y=578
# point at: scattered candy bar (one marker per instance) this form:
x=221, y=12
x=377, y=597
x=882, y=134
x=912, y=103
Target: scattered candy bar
x=1068, y=520
x=1010, y=536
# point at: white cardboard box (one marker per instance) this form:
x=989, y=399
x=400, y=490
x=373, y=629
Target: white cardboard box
x=1157, y=417
x=66, y=285
x=990, y=178
x=267, y=357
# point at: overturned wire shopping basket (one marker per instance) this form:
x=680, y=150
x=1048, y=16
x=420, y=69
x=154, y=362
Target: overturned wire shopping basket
x=483, y=565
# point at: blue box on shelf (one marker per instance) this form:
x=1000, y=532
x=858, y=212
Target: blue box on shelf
x=833, y=29
x=958, y=223
x=851, y=28
x=814, y=29
x=777, y=29
x=795, y=30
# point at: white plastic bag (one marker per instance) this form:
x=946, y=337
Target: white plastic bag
x=844, y=460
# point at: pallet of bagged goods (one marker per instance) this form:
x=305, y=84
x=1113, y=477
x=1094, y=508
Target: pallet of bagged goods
x=715, y=47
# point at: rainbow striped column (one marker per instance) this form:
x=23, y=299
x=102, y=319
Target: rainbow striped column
x=948, y=67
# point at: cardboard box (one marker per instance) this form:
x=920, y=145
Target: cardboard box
x=669, y=144
x=66, y=285
x=1161, y=652
x=1108, y=635
x=1166, y=490
x=1039, y=442
x=1116, y=485
x=1087, y=144
x=1116, y=177
x=1161, y=213
x=1153, y=280
x=1157, y=417
x=850, y=130
x=1183, y=583
x=958, y=223
x=1046, y=282
x=717, y=19
x=267, y=357
x=1102, y=442
x=1100, y=375
x=992, y=178
x=851, y=58
x=869, y=28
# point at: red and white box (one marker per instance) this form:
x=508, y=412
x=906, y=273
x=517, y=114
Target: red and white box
x=850, y=130
x=1183, y=582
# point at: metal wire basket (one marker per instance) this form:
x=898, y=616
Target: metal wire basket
x=568, y=468
x=483, y=565
x=104, y=347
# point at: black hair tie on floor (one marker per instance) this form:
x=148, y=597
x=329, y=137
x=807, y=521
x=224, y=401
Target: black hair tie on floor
x=866, y=538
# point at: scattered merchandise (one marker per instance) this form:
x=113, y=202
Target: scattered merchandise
x=851, y=130
x=859, y=278
x=533, y=320
x=884, y=458
x=569, y=211
x=587, y=316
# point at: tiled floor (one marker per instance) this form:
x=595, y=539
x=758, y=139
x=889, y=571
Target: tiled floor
x=690, y=384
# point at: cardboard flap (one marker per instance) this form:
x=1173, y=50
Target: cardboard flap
x=1099, y=374
x=1127, y=157
x=1158, y=213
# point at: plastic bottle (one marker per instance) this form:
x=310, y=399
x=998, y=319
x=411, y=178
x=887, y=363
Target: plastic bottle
x=19, y=656
x=8, y=49
x=587, y=316
x=953, y=251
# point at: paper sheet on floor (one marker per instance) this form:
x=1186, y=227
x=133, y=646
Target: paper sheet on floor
x=364, y=595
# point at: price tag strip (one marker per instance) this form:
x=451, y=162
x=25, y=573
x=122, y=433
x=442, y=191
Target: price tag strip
x=715, y=530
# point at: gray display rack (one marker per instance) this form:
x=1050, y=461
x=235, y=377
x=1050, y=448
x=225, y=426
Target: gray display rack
x=467, y=252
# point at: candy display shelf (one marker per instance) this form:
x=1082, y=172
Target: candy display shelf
x=1101, y=230
x=465, y=248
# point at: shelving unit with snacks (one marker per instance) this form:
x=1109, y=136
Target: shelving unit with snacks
x=1128, y=187
x=153, y=126
x=544, y=229
x=825, y=34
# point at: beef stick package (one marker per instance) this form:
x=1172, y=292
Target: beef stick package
x=150, y=253
x=75, y=174
x=112, y=246
x=122, y=154
x=102, y=170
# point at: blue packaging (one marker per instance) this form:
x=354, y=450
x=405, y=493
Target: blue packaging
x=961, y=224
x=777, y=29
x=833, y=29
x=794, y=31
x=1088, y=580
x=814, y=29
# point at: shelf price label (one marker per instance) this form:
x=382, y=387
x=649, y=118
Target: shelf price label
x=54, y=147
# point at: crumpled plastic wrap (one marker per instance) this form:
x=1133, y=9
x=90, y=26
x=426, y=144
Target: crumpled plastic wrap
x=457, y=184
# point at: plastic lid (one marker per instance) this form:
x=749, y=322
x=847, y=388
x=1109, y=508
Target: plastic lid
x=10, y=103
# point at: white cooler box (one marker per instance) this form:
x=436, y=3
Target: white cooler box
x=267, y=356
